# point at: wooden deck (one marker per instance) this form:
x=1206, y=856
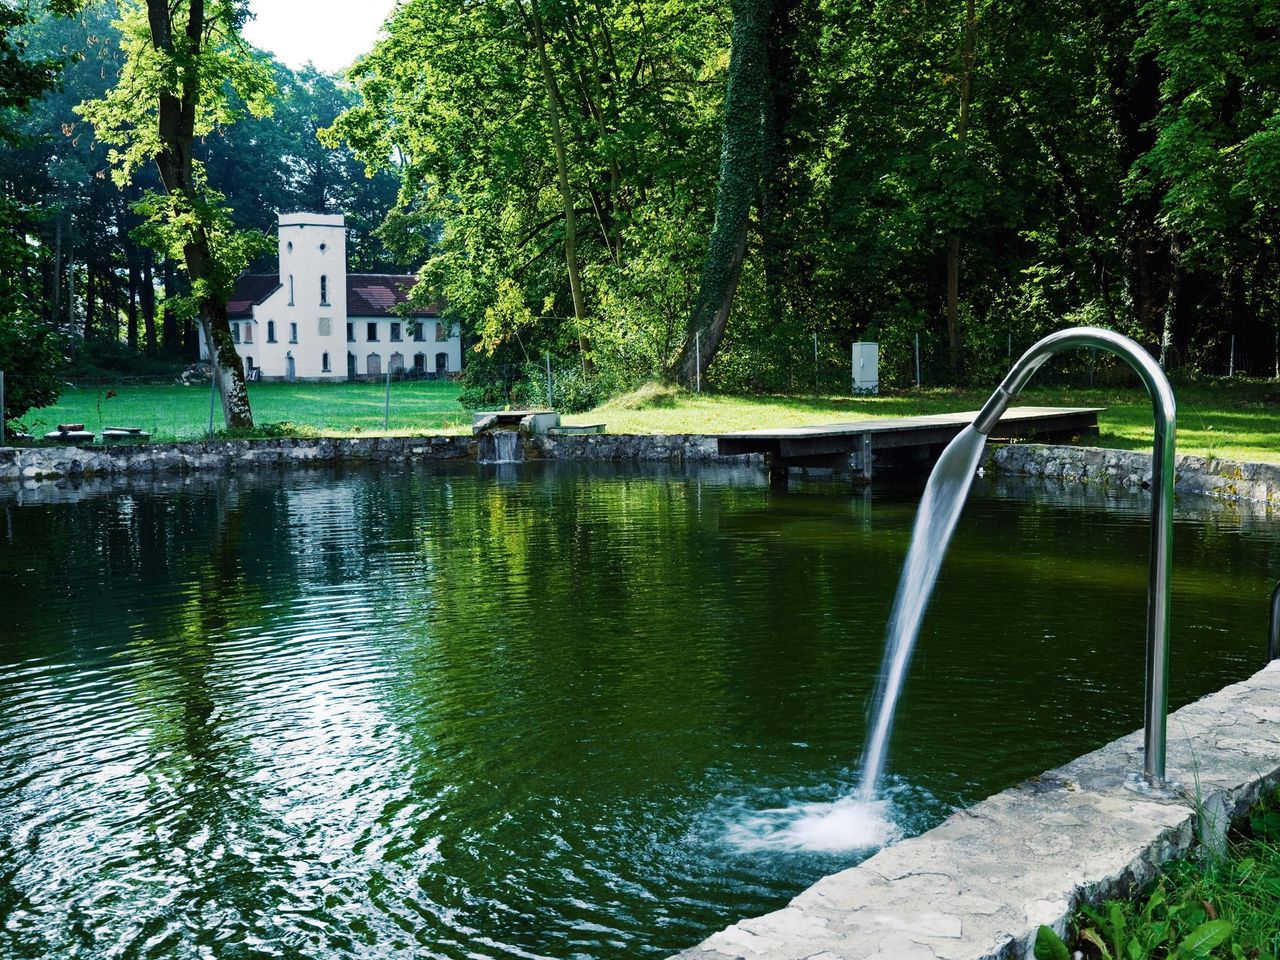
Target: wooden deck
x=898, y=442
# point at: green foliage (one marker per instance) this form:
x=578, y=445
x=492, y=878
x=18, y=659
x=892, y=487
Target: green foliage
x=31, y=357
x=1049, y=945
x=1205, y=906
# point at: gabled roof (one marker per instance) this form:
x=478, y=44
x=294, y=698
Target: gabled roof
x=379, y=294
x=250, y=290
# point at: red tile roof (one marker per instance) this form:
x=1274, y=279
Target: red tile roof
x=250, y=290
x=378, y=294
x=368, y=295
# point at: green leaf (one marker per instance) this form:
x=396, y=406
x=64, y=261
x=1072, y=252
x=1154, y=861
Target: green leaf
x=1201, y=941
x=1049, y=945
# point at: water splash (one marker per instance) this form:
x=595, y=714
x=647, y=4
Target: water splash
x=936, y=519
x=845, y=825
x=503, y=447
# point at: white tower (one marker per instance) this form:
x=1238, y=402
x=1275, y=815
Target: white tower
x=313, y=260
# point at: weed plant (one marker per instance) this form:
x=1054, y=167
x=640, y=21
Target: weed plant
x=1206, y=906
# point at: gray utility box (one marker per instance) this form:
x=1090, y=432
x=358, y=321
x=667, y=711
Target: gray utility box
x=866, y=367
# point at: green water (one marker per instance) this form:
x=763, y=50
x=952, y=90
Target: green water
x=523, y=712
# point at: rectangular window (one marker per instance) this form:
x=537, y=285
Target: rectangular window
x=418, y=334
x=271, y=331
x=372, y=333
x=440, y=334
x=395, y=332
x=248, y=333
x=324, y=326
x=291, y=289
x=235, y=333
x=324, y=291
x=324, y=362
x=293, y=333
x=351, y=333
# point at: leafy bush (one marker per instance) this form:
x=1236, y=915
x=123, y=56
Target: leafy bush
x=31, y=358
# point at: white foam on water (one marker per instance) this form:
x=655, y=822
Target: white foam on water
x=846, y=825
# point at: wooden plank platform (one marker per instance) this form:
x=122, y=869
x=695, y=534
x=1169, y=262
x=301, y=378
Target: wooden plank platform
x=858, y=445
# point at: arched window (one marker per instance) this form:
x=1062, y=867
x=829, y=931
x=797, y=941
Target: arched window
x=397, y=363
x=442, y=363
x=271, y=331
x=324, y=291
x=291, y=289
x=324, y=362
x=373, y=365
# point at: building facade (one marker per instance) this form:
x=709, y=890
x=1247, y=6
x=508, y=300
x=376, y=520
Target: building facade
x=314, y=321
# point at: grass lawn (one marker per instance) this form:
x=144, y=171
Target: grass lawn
x=175, y=412
x=1234, y=419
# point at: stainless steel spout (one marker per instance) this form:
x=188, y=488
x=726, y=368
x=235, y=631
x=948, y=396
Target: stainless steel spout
x=1156, y=704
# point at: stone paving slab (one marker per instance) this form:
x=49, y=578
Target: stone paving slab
x=978, y=886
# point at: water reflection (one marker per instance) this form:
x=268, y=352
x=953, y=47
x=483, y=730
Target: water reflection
x=377, y=713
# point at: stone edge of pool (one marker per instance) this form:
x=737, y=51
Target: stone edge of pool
x=979, y=886
x=1222, y=479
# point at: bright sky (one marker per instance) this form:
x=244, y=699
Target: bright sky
x=329, y=33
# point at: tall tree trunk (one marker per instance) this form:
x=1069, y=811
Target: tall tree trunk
x=90, y=290
x=953, y=242
x=135, y=281
x=175, y=161
x=741, y=156
x=171, y=333
x=1151, y=267
x=57, y=267
x=149, y=300
x=562, y=175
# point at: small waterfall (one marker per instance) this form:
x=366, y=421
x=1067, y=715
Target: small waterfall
x=501, y=446
x=940, y=507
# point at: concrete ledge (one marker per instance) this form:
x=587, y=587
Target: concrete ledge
x=1224, y=479
x=659, y=447
x=979, y=886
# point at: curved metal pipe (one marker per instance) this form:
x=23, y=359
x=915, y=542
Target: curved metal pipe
x=1273, y=631
x=1156, y=704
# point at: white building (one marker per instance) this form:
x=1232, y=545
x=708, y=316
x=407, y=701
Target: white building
x=314, y=321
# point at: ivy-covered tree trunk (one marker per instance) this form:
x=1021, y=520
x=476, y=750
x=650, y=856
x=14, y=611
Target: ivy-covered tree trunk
x=175, y=160
x=741, y=158
x=562, y=176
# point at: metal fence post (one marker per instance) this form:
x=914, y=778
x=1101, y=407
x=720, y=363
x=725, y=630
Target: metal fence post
x=697, y=359
x=815, y=363
x=386, y=405
x=917, y=358
x=547, y=358
x=1, y=408
x=213, y=389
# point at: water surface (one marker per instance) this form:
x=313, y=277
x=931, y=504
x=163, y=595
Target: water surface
x=532, y=712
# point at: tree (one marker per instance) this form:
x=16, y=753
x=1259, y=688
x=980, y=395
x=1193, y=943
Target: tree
x=746, y=106
x=186, y=69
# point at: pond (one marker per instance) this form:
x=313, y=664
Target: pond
x=533, y=711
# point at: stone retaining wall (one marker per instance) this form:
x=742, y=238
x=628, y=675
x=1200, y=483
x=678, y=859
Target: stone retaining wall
x=1226, y=479
x=36, y=463
x=979, y=886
